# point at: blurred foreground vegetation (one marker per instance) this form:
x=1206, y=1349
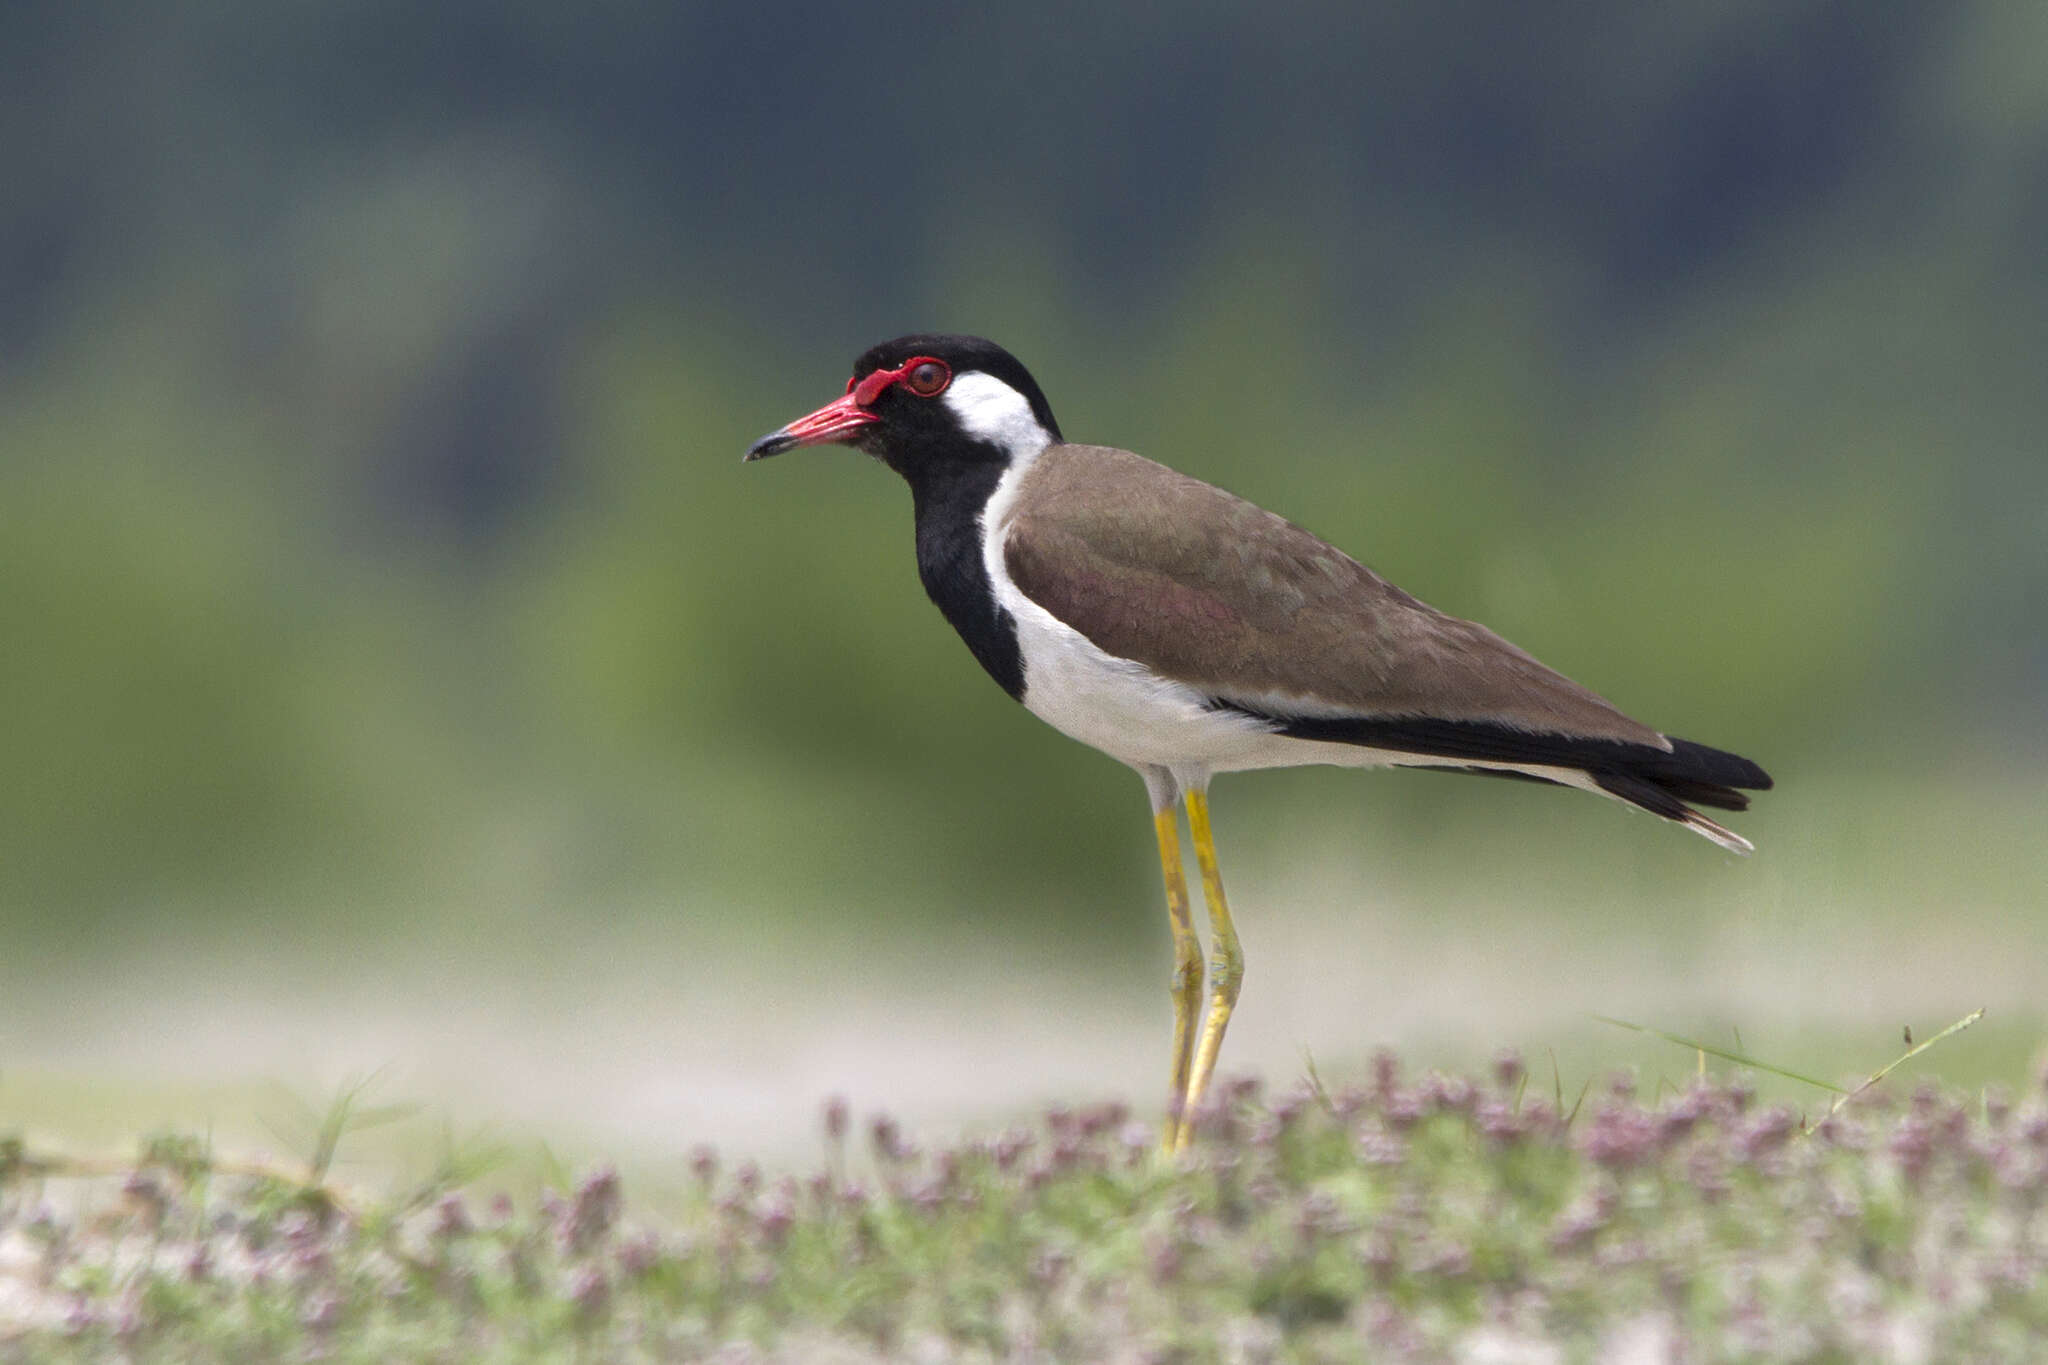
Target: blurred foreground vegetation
x=1412, y=1218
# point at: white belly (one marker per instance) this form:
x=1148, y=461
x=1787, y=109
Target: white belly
x=1119, y=707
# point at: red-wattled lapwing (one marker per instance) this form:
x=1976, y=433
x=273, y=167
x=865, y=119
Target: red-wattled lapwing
x=1186, y=632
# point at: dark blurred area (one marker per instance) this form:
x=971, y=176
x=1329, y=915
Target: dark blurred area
x=375, y=551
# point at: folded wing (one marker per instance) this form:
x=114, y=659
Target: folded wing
x=1214, y=592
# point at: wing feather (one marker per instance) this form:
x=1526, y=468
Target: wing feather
x=1210, y=590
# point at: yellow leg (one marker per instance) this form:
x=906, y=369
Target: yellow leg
x=1186, y=985
x=1226, y=968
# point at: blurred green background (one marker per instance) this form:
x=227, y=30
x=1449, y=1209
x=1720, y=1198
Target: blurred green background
x=398, y=667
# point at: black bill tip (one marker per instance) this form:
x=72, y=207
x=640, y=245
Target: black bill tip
x=774, y=443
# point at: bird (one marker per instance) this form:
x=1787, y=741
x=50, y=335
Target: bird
x=1186, y=632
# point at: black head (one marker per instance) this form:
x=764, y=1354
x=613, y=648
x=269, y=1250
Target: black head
x=929, y=399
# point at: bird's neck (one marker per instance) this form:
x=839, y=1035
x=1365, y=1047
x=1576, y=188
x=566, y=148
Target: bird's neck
x=948, y=500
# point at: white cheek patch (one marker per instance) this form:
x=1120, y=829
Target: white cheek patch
x=990, y=410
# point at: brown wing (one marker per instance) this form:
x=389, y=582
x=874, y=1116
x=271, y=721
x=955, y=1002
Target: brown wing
x=1215, y=592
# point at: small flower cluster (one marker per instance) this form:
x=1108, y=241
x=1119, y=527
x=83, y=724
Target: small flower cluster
x=1428, y=1217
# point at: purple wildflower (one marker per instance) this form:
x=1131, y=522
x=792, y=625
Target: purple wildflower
x=1066, y=1151
x=1678, y=1119
x=1765, y=1133
x=1378, y=1147
x=885, y=1135
x=1540, y=1119
x=589, y=1217
x=451, y=1217
x=1706, y=1168
x=1997, y=1105
x=1214, y=1119
x=591, y=1292
x=1098, y=1119
x=1386, y=1073
x=310, y=1262
x=1498, y=1122
x=1587, y=1215
x=1010, y=1146
x=1839, y=1132
x=1288, y=1108
x=2018, y=1168
x=1912, y=1146
x=639, y=1254
x=777, y=1216
x=1319, y=1217
x=81, y=1317
x=1447, y=1094
x=1620, y=1136
x=1404, y=1109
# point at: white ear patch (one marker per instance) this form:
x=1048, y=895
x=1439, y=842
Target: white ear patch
x=990, y=410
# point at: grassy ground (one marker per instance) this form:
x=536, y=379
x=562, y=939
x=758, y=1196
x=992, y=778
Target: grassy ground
x=1403, y=1217
x=1410, y=1217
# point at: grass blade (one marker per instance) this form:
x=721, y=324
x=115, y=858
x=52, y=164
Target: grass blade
x=1739, y=1058
x=1908, y=1055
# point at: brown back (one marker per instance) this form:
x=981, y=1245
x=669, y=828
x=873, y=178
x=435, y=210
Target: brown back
x=1210, y=590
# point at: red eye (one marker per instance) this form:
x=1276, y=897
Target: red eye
x=927, y=378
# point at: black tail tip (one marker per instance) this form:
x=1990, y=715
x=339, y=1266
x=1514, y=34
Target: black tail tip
x=1704, y=763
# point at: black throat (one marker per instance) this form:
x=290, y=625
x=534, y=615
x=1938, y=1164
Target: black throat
x=948, y=497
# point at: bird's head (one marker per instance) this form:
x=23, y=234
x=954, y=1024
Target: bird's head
x=928, y=400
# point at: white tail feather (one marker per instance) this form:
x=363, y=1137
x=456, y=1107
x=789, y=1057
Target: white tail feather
x=1726, y=838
